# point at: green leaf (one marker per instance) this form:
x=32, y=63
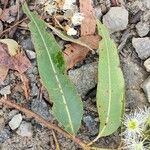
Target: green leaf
x=110, y=89
x=67, y=105
x=68, y=38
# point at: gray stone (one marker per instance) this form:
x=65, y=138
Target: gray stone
x=40, y=107
x=15, y=121
x=146, y=3
x=142, y=47
x=25, y=129
x=116, y=19
x=5, y=90
x=91, y=125
x=147, y=65
x=1, y=27
x=98, y=11
x=142, y=28
x=4, y=135
x=134, y=75
x=34, y=90
x=84, y=78
x=31, y=54
x=27, y=44
x=2, y=123
x=146, y=88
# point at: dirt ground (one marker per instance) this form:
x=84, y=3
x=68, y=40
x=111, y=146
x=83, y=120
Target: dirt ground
x=132, y=65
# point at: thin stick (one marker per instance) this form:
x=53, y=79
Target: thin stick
x=8, y=29
x=43, y=121
x=56, y=141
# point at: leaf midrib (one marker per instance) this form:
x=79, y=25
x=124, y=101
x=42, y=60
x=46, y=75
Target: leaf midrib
x=55, y=74
x=109, y=81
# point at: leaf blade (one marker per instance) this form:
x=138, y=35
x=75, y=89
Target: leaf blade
x=67, y=107
x=110, y=90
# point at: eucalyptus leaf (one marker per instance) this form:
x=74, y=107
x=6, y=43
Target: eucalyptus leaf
x=67, y=105
x=111, y=88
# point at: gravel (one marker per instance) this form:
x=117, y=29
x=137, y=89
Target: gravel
x=34, y=90
x=98, y=12
x=15, y=121
x=142, y=28
x=84, y=78
x=5, y=90
x=91, y=125
x=146, y=3
x=4, y=135
x=146, y=88
x=25, y=129
x=116, y=19
x=147, y=65
x=142, y=47
x=27, y=44
x=40, y=107
x=31, y=54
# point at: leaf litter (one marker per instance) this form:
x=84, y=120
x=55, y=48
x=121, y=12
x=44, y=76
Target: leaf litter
x=12, y=58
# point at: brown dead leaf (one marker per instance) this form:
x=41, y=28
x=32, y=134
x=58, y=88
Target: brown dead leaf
x=88, y=25
x=9, y=14
x=3, y=72
x=75, y=53
x=18, y=62
x=25, y=84
x=4, y=2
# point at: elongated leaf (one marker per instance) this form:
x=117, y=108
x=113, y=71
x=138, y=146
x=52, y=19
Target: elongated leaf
x=67, y=106
x=110, y=90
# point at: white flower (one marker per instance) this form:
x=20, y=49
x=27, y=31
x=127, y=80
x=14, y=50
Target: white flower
x=71, y=31
x=135, y=144
x=77, y=18
x=135, y=124
x=68, y=4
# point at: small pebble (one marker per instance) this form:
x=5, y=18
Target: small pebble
x=12, y=113
x=15, y=121
x=34, y=90
x=98, y=12
x=5, y=90
x=142, y=28
x=147, y=65
x=25, y=129
x=1, y=27
x=31, y=54
x=4, y=135
x=27, y=44
x=116, y=19
x=146, y=88
x=142, y=47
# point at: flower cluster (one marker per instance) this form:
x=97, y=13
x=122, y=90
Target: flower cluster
x=136, y=126
x=75, y=19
